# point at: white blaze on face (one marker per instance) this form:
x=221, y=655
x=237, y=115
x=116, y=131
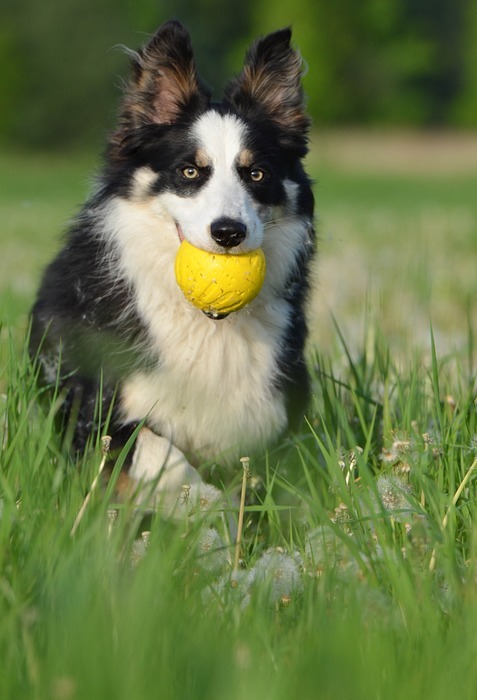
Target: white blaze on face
x=220, y=140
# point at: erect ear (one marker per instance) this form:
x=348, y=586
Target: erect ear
x=270, y=84
x=164, y=81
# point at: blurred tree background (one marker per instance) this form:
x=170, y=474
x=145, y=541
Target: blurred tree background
x=372, y=62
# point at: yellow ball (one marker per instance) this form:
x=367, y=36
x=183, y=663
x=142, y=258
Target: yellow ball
x=219, y=283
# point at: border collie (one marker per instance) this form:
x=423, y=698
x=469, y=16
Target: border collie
x=110, y=322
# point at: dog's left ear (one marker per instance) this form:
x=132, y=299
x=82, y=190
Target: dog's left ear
x=270, y=86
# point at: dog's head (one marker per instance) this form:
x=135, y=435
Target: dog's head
x=237, y=162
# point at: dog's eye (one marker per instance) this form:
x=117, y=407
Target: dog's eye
x=257, y=175
x=190, y=172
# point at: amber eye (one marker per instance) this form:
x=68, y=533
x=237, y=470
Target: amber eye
x=257, y=175
x=190, y=172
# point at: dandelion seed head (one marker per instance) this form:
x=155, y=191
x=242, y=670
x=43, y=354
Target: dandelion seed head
x=342, y=517
x=208, y=497
x=401, y=469
x=212, y=551
x=400, y=455
x=280, y=572
x=232, y=587
x=324, y=550
x=392, y=493
x=197, y=498
x=400, y=446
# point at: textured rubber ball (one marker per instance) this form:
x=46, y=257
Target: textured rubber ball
x=218, y=283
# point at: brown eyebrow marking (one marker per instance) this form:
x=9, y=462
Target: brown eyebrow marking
x=201, y=158
x=245, y=159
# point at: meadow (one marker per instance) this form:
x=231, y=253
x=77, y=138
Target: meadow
x=358, y=572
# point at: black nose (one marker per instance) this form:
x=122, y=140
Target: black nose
x=228, y=232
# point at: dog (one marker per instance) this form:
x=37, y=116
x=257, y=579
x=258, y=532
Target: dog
x=110, y=324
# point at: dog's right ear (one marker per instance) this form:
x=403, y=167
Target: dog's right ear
x=164, y=82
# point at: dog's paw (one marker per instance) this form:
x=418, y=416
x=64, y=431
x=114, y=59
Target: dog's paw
x=166, y=481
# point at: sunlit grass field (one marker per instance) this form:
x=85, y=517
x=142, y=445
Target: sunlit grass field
x=358, y=573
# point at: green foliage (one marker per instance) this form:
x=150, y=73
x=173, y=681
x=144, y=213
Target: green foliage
x=465, y=107
x=379, y=61
x=363, y=586
x=375, y=61
x=65, y=65
x=64, y=71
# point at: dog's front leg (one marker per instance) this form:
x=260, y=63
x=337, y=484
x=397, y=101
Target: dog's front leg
x=165, y=479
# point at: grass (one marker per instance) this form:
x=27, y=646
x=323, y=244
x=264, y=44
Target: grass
x=402, y=240
x=359, y=544
x=38, y=194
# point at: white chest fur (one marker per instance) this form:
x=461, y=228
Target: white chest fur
x=211, y=390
